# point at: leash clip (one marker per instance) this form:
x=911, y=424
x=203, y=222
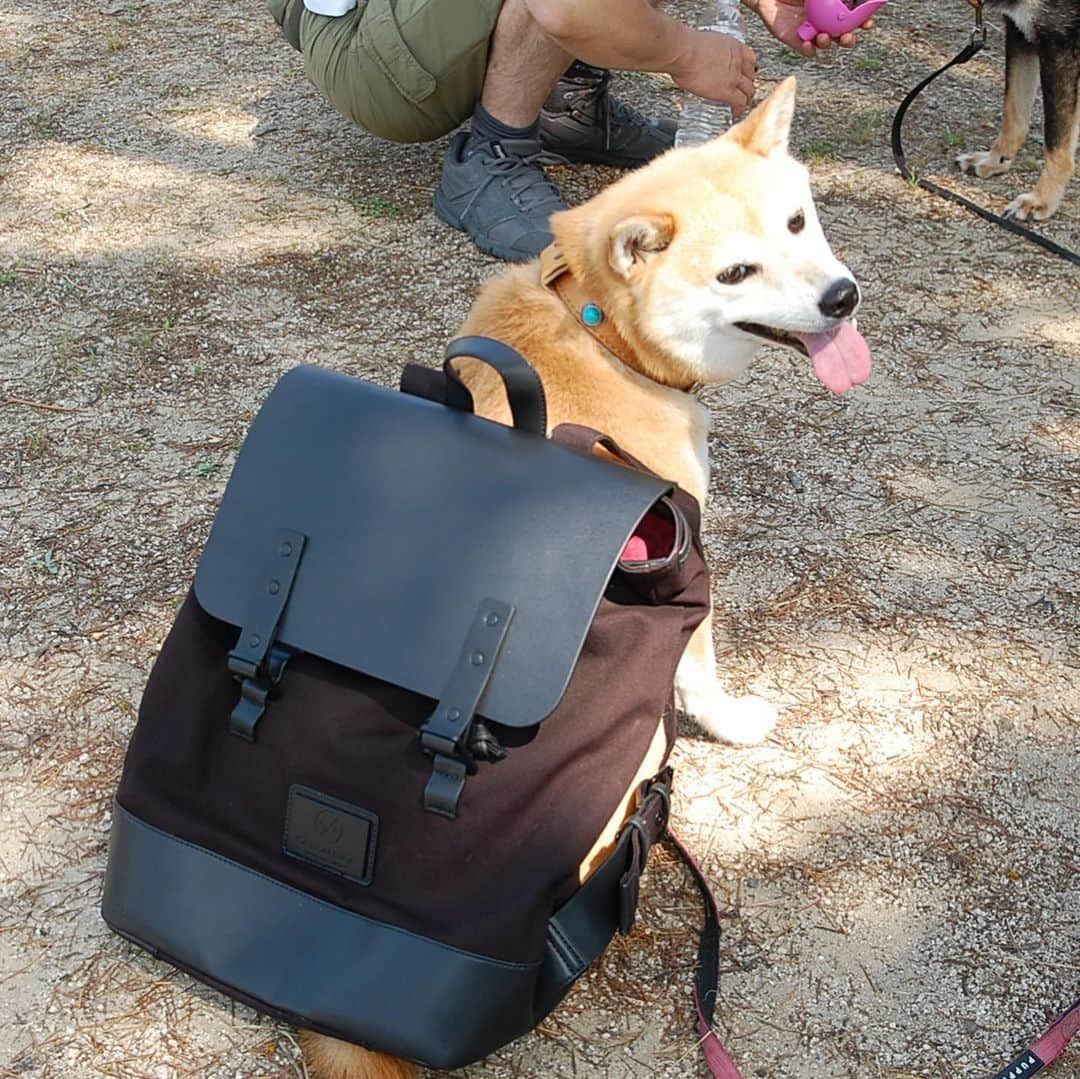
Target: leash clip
x=978, y=31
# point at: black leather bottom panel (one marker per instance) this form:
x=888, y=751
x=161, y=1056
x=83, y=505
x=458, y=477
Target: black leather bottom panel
x=307, y=960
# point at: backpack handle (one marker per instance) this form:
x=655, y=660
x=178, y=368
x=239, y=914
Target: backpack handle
x=585, y=440
x=524, y=389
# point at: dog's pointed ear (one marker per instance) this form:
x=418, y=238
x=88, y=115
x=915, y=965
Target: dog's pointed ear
x=634, y=239
x=765, y=131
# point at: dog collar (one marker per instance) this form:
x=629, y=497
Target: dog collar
x=556, y=275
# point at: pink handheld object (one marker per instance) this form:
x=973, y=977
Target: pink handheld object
x=834, y=17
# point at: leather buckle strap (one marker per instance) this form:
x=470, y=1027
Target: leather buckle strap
x=267, y=605
x=706, y=977
x=446, y=734
x=645, y=827
x=257, y=662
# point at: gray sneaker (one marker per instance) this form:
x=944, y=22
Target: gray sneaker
x=581, y=121
x=500, y=195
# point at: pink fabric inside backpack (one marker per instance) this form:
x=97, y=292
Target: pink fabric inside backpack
x=653, y=538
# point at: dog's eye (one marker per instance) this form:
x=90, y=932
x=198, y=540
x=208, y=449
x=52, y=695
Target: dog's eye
x=734, y=274
x=796, y=222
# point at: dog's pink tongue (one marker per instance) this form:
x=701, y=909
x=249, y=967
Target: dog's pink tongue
x=841, y=357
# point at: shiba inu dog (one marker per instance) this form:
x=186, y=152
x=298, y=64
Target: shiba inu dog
x=1042, y=45
x=676, y=275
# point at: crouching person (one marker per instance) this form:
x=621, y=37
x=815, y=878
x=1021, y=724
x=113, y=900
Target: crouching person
x=413, y=70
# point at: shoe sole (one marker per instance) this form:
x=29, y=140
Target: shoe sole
x=489, y=247
x=584, y=157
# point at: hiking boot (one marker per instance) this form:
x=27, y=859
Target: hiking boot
x=581, y=121
x=499, y=194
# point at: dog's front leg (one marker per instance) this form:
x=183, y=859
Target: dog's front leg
x=1059, y=69
x=1021, y=82
x=701, y=697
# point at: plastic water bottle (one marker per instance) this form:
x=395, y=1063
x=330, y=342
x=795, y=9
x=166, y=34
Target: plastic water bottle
x=701, y=120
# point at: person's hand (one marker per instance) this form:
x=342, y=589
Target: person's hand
x=783, y=19
x=717, y=68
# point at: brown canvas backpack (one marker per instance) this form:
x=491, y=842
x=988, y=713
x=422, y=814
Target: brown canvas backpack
x=419, y=669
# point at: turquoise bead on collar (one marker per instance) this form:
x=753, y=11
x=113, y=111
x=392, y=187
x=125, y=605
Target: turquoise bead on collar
x=592, y=315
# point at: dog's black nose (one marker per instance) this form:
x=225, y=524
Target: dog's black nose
x=840, y=298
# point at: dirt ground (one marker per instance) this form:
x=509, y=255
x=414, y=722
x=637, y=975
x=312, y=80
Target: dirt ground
x=182, y=219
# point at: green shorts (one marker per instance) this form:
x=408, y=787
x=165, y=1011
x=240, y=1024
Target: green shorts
x=408, y=70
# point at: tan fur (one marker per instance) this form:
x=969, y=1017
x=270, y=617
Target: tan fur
x=611, y=243
x=328, y=1058
x=1058, y=168
x=1016, y=121
x=1019, y=98
x=608, y=243
x=582, y=382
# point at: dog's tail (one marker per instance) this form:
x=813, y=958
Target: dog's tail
x=328, y=1058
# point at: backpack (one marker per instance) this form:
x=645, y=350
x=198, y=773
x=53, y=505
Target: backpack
x=421, y=665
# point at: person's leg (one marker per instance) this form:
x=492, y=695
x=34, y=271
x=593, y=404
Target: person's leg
x=532, y=107
x=493, y=185
x=530, y=75
x=524, y=65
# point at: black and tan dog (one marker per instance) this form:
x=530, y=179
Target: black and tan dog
x=1042, y=45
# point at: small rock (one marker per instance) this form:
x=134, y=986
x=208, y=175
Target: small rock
x=796, y=482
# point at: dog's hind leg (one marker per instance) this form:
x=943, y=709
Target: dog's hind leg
x=1059, y=58
x=1021, y=82
x=700, y=696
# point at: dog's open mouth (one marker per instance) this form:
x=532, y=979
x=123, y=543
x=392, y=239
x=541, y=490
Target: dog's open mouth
x=841, y=356
x=778, y=337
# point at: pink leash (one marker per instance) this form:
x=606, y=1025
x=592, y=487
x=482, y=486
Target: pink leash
x=1047, y=1049
x=1040, y=1055
x=706, y=976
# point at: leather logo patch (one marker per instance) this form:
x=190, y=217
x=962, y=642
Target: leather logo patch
x=333, y=835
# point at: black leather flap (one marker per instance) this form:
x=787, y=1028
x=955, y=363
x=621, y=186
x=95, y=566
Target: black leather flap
x=413, y=514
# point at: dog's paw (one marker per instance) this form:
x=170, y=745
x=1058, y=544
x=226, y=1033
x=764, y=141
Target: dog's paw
x=1030, y=206
x=742, y=721
x=984, y=163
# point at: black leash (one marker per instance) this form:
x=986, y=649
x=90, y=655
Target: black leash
x=973, y=47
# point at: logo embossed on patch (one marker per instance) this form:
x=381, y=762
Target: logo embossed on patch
x=331, y=834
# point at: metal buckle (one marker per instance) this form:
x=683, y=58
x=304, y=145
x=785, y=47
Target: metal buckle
x=645, y=827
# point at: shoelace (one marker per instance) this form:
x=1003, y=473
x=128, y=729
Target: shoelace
x=594, y=91
x=530, y=186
